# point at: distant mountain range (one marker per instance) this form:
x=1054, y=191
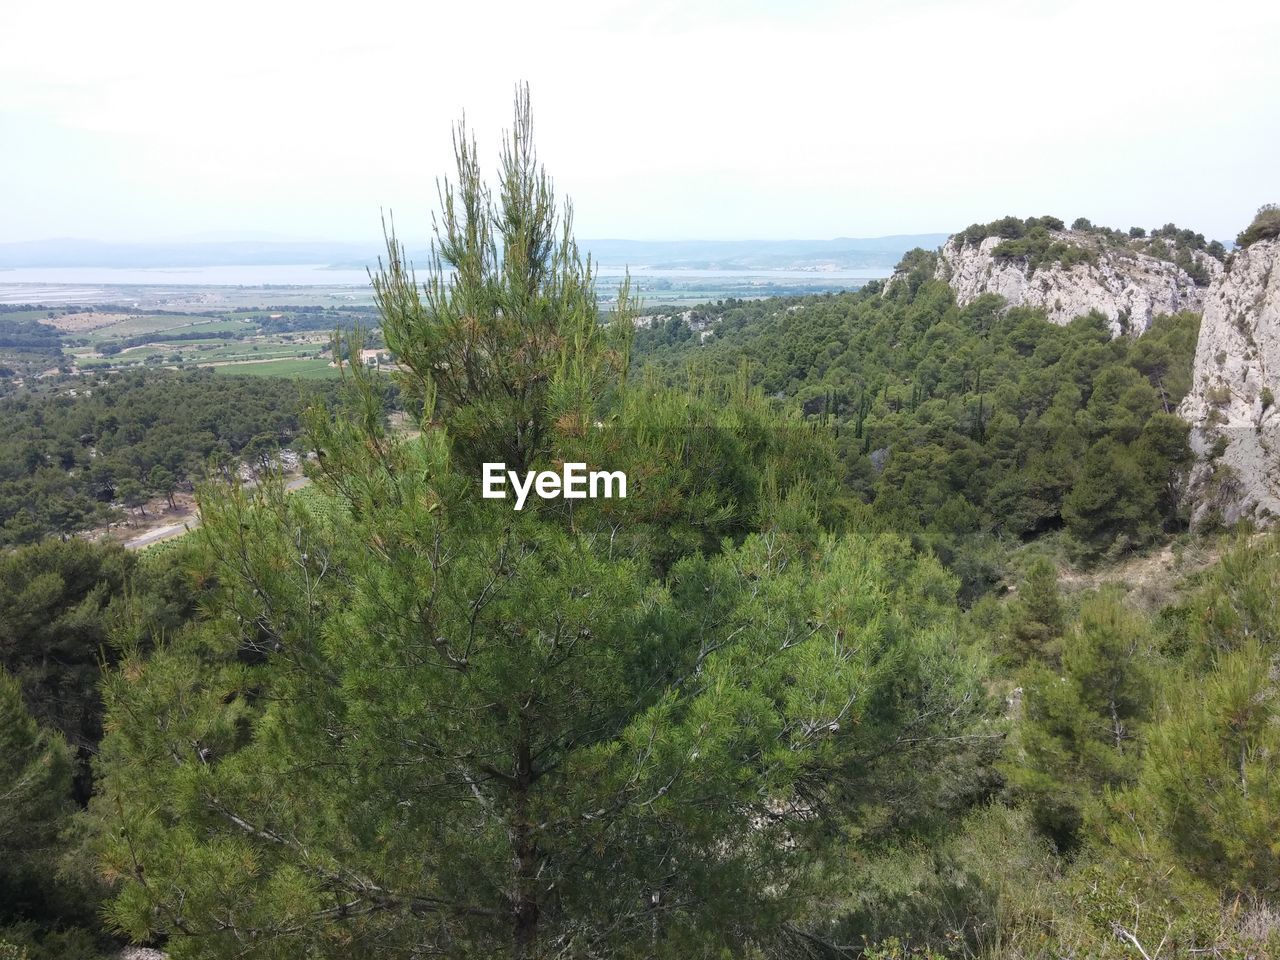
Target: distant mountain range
x=843, y=253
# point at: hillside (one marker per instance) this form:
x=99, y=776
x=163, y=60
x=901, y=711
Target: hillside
x=953, y=330
x=974, y=427
x=1128, y=277
x=991, y=739
x=927, y=561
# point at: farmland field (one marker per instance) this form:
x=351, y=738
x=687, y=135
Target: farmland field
x=302, y=369
x=133, y=326
x=284, y=331
x=266, y=341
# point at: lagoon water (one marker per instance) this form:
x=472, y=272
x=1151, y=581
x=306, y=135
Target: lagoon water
x=319, y=275
x=221, y=276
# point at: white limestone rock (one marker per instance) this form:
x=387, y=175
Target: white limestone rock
x=1128, y=287
x=1232, y=406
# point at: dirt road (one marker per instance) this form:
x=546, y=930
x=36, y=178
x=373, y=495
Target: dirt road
x=189, y=523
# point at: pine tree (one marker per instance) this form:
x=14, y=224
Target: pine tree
x=1208, y=799
x=1080, y=729
x=1037, y=617
x=1112, y=502
x=35, y=781
x=418, y=722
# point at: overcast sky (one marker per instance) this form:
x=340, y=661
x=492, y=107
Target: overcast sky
x=135, y=120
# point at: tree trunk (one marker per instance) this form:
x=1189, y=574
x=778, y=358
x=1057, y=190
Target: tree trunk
x=524, y=844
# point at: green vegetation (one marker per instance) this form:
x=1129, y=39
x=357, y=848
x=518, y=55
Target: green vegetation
x=496, y=733
x=63, y=606
x=53, y=630
x=74, y=447
x=110, y=338
x=1179, y=247
x=1038, y=248
x=27, y=346
x=1084, y=706
x=815, y=690
x=971, y=429
x=1008, y=228
x=1043, y=242
x=35, y=769
x=291, y=369
x=1036, y=241
x=1265, y=226
x=1147, y=750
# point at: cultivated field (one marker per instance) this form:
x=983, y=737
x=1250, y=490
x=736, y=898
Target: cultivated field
x=279, y=342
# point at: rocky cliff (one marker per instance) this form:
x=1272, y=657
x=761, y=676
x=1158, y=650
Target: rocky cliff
x=1236, y=382
x=1072, y=272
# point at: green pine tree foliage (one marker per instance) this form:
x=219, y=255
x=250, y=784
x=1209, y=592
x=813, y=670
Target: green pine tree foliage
x=504, y=333
x=1037, y=618
x=60, y=600
x=35, y=788
x=1112, y=504
x=54, y=624
x=1208, y=799
x=416, y=722
x=1080, y=732
x=1265, y=226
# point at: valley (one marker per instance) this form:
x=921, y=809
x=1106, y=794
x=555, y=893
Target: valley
x=930, y=608
x=639, y=481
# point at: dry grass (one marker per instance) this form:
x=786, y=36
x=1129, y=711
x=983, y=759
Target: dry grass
x=80, y=322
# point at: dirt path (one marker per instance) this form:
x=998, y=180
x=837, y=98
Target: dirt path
x=158, y=515
x=1137, y=569
x=162, y=533
x=184, y=520
x=1153, y=579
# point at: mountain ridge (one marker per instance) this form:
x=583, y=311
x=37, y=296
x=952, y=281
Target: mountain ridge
x=1129, y=278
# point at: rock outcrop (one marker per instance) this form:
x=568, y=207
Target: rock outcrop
x=1232, y=406
x=1130, y=288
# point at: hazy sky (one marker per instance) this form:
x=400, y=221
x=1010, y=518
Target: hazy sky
x=137, y=120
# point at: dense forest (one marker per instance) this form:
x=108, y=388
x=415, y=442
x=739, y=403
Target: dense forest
x=820, y=687
x=970, y=429
x=28, y=346
x=73, y=450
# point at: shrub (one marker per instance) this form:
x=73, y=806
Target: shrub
x=1265, y=226
x=1039, y=248
x=1049, y=223
x=1219, y=395
x=1008, y=228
